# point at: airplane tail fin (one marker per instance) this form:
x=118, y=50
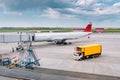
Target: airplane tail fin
x=88, y=28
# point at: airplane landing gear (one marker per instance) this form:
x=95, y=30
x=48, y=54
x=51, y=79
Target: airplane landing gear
x=65, y=43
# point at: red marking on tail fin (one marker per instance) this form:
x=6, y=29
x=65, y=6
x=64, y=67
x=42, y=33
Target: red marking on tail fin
x=88, y=28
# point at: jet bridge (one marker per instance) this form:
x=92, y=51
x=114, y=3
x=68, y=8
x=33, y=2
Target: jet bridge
x=16, y=37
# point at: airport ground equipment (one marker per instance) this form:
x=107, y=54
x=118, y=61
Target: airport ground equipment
x=14, y=64
x=31, y=52
x=28, y=59
x=87, y=51
x=7, y=61
x=29, y=65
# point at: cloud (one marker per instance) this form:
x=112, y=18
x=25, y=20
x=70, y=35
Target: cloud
x=57, y=8
x=52, y=13
x=85, y=2
x=63, y=9
x=96, y=9
x=117, y=5
x=109, y=10
x=21, y=5
x=13, y=13
x=109, y=0
x=1, y=5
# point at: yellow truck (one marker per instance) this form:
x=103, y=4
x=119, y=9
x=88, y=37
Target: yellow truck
x=87, y=51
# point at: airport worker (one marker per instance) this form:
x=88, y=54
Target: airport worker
x=12, y=49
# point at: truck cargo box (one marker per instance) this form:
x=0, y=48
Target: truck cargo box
x=91, y=50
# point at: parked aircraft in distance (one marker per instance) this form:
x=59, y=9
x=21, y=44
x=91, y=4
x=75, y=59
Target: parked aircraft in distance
x=60, y=38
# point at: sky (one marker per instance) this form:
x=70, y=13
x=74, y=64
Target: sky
x=59, y=13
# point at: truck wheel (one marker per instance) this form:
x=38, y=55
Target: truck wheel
x=91, y=56
x=79, y=59
x=82, y=58
x=95, y=55
x=87, y=57
x=65, y=43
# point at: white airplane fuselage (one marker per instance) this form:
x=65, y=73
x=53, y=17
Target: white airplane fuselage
x=59, y=37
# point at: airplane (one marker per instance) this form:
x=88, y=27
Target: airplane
x=60, y=38
x=57, y=38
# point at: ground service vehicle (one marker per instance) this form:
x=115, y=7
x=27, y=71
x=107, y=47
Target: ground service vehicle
x=14, y=64
x=87, y=51
x=6, y=61
x=30, y=64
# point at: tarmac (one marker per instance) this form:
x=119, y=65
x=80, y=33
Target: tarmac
x=60, y=57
